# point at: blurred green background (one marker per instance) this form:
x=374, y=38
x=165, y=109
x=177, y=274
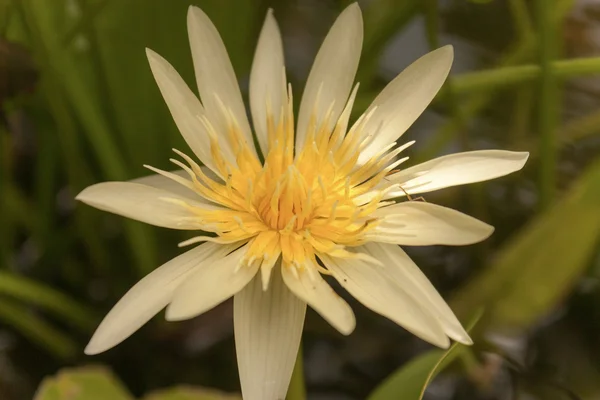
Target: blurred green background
x=79, y=106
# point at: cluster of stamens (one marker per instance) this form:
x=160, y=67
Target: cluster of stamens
x=295, y=204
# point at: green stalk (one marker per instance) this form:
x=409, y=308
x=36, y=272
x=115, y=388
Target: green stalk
x=139, y=237
x=46, y=185
x=520, y=16
x=7, y=225
x=76, y=168
x=88, y=15
x=6, y=9
x=548, y=107
x=519, y=53
x=582, y=127
x=474, y=105
x=297, y=389
x=482, y=81
x=473, y=194
x=523, y=106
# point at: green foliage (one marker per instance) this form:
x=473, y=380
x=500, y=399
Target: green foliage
x=410, y=381
x=53, y=301
x=98, y=383
x=189, y=393
x=540, y=265
x=87, y=383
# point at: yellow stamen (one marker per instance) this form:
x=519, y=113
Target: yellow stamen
x=296, y=205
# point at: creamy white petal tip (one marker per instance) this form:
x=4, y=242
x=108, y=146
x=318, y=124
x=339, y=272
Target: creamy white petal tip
x=140, y=202
x=210, y=286
x=404, y=99
x=372, y=287
x=400, y=269
x=310, y=287
x=415, y=223
x=149, y=296
x=457, y=169
x=332, y=74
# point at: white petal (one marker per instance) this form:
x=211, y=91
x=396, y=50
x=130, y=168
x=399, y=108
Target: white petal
x=332, y=74
x=405, y=98
x=268, y=327
x=143, y=203
x=457, y=169
x=159, y=181
x=148, y=297
x=215, y=77
x=406, y=274
x=185, y=107
x=211, y=285
x=416, y=223
x=370, y=285
x=162, y=182
x=267, y=80
x=321, y=297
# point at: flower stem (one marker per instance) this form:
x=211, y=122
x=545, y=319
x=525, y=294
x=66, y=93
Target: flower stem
x=548, y=93
x=501, y=77
x=297, y=390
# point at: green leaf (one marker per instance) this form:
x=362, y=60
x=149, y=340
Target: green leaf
x=410, y=381
x=36, y=329
x=190, y=393
x=87, y=383
x=540, y=265
x=45, y=297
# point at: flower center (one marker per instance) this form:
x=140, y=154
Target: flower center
x=296, y=206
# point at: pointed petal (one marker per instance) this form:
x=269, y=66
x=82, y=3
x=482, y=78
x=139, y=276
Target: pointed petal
x=457, y=169
x=215, y=77
x=184, y=106
x=407, y=275
x=416, y=223
x=210, y=285
x=267, y=80
x=312, y=288
x=405, y=98
x=159, y=181
x=370, y=285
x=268, y=327
x=148, y=297
x=332, y=74
x=169, y=185
x=143, y=203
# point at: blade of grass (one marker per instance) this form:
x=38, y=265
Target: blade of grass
x=36, y=329
x=19, y=207
x=46, y=169
x=49, y=299
x=7, y=225
x=89, y=14
x=6, y=9
x=77, y=171
x=67, y=76
x=548, y=98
